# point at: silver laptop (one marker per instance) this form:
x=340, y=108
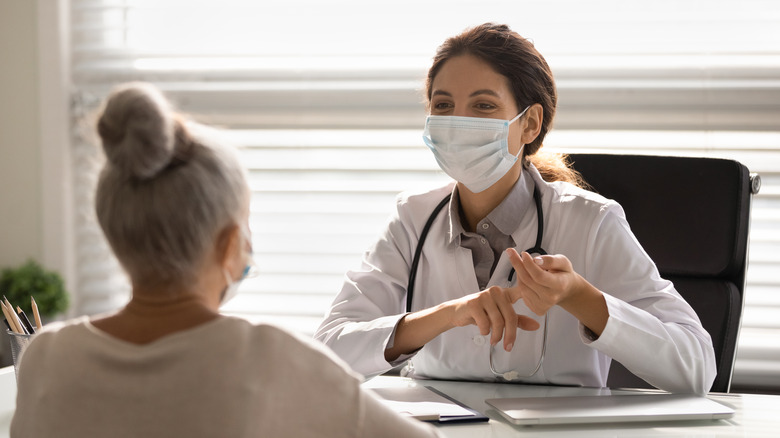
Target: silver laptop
x=609, y=408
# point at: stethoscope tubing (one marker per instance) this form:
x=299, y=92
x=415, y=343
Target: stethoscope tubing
x=536, y=249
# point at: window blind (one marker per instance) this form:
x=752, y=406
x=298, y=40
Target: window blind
x=324, y=100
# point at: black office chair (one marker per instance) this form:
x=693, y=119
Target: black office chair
x=692, y=216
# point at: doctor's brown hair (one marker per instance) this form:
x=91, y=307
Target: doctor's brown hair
x=529, y=77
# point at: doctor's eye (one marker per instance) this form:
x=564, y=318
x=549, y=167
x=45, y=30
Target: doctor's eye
x=441, y=106
x=485, y=106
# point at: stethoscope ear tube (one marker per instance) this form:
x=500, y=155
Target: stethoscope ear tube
x=418, y=251
x=537, y=248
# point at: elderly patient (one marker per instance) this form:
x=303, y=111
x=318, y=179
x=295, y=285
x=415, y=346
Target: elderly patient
x=174, y=206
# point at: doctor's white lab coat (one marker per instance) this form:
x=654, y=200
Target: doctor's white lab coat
x=651, y=329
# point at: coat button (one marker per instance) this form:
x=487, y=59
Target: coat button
x=479, y=340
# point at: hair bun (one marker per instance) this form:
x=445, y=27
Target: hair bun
x=138, y=130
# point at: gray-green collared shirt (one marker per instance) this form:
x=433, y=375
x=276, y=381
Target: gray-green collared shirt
x=493, y=234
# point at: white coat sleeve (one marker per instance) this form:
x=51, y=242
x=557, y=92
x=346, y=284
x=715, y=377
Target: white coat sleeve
x=651, y=329
x=361, y=322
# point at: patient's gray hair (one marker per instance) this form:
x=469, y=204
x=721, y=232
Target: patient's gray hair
x=167, y=190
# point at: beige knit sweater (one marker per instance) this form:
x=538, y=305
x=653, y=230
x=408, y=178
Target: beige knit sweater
x=226, y=378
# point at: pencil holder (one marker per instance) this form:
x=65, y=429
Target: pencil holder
x=18, y=344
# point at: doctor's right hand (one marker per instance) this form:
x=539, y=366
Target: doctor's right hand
x=491, y=310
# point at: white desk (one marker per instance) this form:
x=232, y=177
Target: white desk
x=756, y=415
x=7, y=399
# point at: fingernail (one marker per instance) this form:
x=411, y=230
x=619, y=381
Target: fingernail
x=509, y=347
x=539, y=260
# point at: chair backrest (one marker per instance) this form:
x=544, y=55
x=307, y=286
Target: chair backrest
x=692, y=216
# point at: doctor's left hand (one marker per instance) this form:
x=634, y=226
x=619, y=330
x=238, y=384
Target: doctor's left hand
x=544, y=281
x=550, y=280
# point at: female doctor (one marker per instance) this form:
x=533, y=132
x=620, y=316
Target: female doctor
x=484, y=307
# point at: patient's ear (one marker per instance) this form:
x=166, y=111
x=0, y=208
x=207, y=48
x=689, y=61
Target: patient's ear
x=228, y=247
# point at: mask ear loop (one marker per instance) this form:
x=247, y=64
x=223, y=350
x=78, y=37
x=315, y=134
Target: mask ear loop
x=517, y=117
x=228, y=284
x=250, y=270
x=517, y=156
x=225, y=272
x=228, y=281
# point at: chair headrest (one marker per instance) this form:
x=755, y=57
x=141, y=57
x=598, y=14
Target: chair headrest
x=690, y=214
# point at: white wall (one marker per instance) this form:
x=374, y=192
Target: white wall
x=20, y=160
x=36, y=219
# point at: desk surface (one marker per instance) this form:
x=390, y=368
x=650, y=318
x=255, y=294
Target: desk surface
x=7, y=399
x=756, y=415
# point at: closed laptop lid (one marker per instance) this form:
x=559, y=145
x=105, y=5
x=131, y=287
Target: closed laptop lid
x=609, y=408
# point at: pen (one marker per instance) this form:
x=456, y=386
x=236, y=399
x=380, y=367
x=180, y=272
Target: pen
x=25, y=321
x=36, y=315
x=7, y=325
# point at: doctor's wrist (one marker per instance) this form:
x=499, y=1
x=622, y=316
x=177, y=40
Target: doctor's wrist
x=587, y=304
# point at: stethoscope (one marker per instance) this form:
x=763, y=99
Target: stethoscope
x=535, y=250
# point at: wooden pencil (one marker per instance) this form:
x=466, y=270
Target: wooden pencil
x=11, y=318
x=36, y=315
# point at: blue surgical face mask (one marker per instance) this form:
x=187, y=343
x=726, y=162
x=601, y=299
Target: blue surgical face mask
x=471, y=150
x=232, y=286
x=231, y=290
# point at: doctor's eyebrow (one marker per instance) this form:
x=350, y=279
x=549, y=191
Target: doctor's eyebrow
x=484, y=91
x=475, y=93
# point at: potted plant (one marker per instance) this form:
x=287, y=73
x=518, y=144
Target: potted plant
x=32, y=280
